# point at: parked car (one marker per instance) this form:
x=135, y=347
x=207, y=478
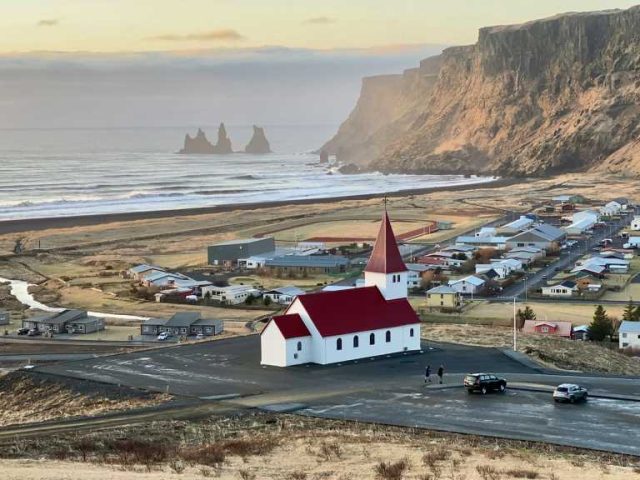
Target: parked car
x=22, y=331
x=484, y=382
x=34, y=332
x=200, y=336
x=569, y=392
x=164, y=336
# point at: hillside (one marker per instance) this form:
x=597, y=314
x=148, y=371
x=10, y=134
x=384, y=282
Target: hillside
x=548, y=96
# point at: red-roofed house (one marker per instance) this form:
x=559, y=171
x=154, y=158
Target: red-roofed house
x=559, y=329
x=338, y=326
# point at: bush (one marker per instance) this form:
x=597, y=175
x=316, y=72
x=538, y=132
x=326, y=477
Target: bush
x=391, y=471
x=212, y=455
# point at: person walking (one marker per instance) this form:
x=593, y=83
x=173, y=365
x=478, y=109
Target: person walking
x=441, y=374
x=427, y=374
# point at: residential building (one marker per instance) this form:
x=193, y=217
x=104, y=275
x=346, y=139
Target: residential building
x=443, y=297
x=466, y=249
x=543, y=236
x=569, y=199
x=581, y=332
x=629, y=334
x=485, y=232
x=470, y=285
x=582, y=221
x=415, y=274
x=344, y=325
x=517, y=226
x=635, y=223
x=558, y=329
x=232, y=295
x=66, y=321
x=165, y=280
x=611, y=208
x=283, y=295
x=228, y=253
x=633, y=242
x=5, y=317
x=182, y=324
x=493, y=270
x=301, y=265
x=567, y=288
x=139, y=272
x=499, y=243
x=524, y=258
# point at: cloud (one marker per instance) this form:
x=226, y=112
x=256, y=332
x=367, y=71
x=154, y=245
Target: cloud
x=319, y=21
x=48, y=22
x=223, y=35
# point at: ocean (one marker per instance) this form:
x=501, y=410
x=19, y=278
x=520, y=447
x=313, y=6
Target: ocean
x=68, y=172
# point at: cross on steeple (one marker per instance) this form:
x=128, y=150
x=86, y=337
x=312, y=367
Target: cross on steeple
x=385, y=203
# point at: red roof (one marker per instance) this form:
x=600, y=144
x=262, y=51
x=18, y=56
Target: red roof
x=291, y=326
x=356, y=310
x=427, y=260
x=385, y=257
x=561, y=329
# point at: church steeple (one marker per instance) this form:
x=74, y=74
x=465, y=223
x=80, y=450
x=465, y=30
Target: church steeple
x=386, y=269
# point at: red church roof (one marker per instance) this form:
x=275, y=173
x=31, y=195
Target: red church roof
x=385, y=257
x=291, y=326
x=356, y=310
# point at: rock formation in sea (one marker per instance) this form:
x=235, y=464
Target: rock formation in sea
x=258, y=143
x=548, y=96
x=324, y=156
x=202, y=146
x=198, y=144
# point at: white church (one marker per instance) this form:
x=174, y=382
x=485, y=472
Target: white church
x=338, y=326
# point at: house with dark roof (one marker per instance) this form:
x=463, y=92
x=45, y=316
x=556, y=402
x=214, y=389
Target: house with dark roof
x=66, y=321
x=337, y=326
x=566, y=288
x=182, y=324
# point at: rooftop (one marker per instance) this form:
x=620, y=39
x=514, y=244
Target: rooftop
x=241, y=241
x=629, y=327
x=291, y=326
x=307, y=261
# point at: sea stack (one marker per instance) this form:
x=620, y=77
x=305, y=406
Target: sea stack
x=258, y=143
x=224, y=143
x=324, y=156
x=198, y=144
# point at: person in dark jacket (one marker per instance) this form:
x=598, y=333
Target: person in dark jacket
x=441, y=374
x=427, y=374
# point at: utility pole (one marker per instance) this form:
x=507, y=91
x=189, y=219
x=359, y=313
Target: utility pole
x=515, y=329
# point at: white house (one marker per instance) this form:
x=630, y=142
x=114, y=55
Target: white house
x=582, y=221
x=344, y=325
x=414, y=275
x=633, y=242
x=283, y=295
x=485, y=232
x=233, y=295
x=470, y=285
x=635, y=223
x=629, y=334
x=564, y=289
x=140, y=271
x=517, y=226
x=501, y=270
x=611, y=208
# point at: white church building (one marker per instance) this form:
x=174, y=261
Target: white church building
x=338, y=326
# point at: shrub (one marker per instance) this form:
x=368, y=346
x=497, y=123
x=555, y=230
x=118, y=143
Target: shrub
x=391, y=471
x=330, y=450
x=246, y=475
x=177, y=466
x=487, y=472
x=297, y=476
x=518, y=473
x=212, y=455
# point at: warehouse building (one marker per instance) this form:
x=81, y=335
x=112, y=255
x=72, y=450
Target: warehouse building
x=228, y=253
x=307, y=264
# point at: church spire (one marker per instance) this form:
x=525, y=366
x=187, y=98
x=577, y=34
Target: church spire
x=385, y=257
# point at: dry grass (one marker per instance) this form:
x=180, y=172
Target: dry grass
x=557, y=352
x=260, y=446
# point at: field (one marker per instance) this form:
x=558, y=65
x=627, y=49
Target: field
x=260, y=447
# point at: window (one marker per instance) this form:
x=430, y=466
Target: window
x=411, y=332
x=339, y=344
x=356, y=342
x=299, y=346
x=372, y=339
x=387, y=336
x=624, y=335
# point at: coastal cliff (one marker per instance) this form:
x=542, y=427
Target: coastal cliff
x=258, y=144
x=200, y=145
x=548, y=96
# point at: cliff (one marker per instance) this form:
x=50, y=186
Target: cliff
x=258, y=143
x=548, y=96
x=200, y=145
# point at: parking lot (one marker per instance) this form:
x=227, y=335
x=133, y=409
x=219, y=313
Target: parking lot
x=598, y=423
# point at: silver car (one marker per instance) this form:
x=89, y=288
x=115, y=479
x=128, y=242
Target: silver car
x=569, y=392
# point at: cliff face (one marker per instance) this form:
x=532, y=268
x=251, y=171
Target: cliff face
x=552, y=95
x=258, y=143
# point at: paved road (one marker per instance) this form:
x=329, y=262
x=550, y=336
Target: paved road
x=600, y=424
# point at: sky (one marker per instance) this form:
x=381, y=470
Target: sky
x=121, y=63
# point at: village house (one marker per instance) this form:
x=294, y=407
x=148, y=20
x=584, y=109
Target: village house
x=566, y=288
x=416, y=272
x=517, y=226
x=182, y=324
x=5, y=317
x=569, y=199
x=629, y=334
x=443, y=297
x=65, y=321
x=139, y=272
x=499, y=242
x=283, y=295
x=543, y=236
x=635, y=223
x=344, y=325
x=231, y=295
x=581, y=222
x=558, y=329
x=470, y=285
x=228, y=253
x=610, y=209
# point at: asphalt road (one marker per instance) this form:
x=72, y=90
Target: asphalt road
x=599, y=424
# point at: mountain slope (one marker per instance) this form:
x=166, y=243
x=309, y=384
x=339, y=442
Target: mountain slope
x=548, y=96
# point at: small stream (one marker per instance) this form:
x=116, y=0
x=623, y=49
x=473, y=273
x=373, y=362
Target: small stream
x=20, y=290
